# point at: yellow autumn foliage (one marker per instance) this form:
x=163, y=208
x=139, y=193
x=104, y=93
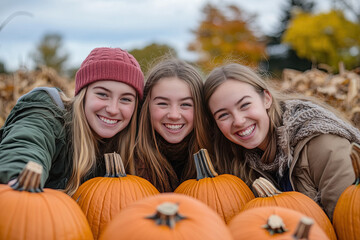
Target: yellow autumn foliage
x=325, y=38
x=225, y=34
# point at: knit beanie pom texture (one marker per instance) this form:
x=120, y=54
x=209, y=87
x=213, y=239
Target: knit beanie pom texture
x=110, y=64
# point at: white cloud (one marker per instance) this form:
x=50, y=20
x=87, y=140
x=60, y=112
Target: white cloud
x=86, y=24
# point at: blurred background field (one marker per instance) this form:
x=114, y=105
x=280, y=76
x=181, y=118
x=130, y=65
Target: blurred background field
x=308, y=49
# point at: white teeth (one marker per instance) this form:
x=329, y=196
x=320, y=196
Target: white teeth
x=174, y=126
x=108, y=121
x=246, y=132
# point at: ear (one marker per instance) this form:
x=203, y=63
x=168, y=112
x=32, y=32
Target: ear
x=267, y=99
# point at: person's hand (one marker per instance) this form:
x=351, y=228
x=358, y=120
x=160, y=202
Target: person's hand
x=11, y=182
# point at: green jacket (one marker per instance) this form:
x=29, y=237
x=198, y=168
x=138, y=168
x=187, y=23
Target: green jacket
x=34, y=131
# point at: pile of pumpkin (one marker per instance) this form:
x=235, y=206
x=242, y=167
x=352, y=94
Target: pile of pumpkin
x=120, y=206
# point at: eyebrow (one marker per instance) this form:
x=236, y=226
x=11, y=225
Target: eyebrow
x=237, y=103
x=107, y=90
x=164, y=98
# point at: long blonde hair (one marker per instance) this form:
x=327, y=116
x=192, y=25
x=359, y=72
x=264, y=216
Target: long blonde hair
x=147, y=149
x=85, y=144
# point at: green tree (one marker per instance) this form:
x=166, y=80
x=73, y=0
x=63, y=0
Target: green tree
x=325, y=38
x=2, y=67
x=286, y=57
x=226, y=34
x=291, y=6
x=150, y=53
x=49, y=52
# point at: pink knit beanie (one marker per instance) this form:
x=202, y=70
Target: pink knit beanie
x=110, y=64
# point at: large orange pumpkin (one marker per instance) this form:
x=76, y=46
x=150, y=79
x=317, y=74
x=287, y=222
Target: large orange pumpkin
x=274, y=223
x=29, y=212
x=167, y=216
x=101, y=198
x=346, y=218
x=268, y=195
x=225, y=193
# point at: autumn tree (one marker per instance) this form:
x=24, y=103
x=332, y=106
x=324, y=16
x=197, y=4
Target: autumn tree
x=49, y=52
x=226, y=34
x=325, y=38
x=150, y=53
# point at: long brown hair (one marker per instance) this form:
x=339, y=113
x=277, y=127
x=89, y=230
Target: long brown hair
x=147, y=149
x=85, y=144
x=228, y=155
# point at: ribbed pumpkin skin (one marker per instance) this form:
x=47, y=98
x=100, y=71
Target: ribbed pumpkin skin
x=249, y=224
x=226, y=194
x=201, y=222
x=299, y=202
x=101, y=198
x=40, y=216
x=346, y=219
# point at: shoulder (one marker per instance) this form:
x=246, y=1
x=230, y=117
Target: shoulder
x=42, y=99
x=37, y=107
x=326, y=148
x=42, y=94
x=327, y=142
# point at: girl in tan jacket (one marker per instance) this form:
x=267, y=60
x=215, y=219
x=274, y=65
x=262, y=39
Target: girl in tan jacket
x=298, y=144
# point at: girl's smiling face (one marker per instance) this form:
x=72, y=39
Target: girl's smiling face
x=109, y=106
x=241, y=113
x=171, y=109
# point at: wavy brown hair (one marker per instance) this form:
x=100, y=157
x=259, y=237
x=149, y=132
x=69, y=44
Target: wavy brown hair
x=228, y=155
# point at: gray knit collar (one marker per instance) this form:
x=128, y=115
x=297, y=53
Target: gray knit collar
x=301, y=119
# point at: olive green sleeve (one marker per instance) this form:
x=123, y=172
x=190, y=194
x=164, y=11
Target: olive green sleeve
x=29, y=136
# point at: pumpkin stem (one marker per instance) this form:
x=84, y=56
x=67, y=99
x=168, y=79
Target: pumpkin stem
x=114, y=165
x=29, y=178
x=167, y=214
x=303, y=228
x=275, y=224
x=264, y=188
x=355, y=159
x=204, y=167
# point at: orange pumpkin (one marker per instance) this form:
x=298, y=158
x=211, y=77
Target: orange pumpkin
x=29, y=212
x=225, y=193
x=274, y=223
x=268, y=195
x=346, y=218
x=101, y=198
x=167, y=216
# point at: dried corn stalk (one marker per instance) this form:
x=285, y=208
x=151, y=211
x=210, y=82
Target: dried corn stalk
x=12, y=86
x=342, y=91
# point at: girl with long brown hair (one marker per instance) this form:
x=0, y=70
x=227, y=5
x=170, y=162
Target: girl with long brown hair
x=298, y=143
x=172, y=126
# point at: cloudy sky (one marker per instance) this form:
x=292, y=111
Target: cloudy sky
x=128, y=24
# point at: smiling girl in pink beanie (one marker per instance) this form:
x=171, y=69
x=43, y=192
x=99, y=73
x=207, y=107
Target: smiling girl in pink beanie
x=69, y=137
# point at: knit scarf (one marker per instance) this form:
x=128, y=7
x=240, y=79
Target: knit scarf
x=176, y=154
x=301, y=119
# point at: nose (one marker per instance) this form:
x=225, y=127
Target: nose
x=174, y=113
x=112, y=107
x=239, y=120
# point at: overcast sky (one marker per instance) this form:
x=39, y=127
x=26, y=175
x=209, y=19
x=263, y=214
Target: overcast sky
x=128, y=24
